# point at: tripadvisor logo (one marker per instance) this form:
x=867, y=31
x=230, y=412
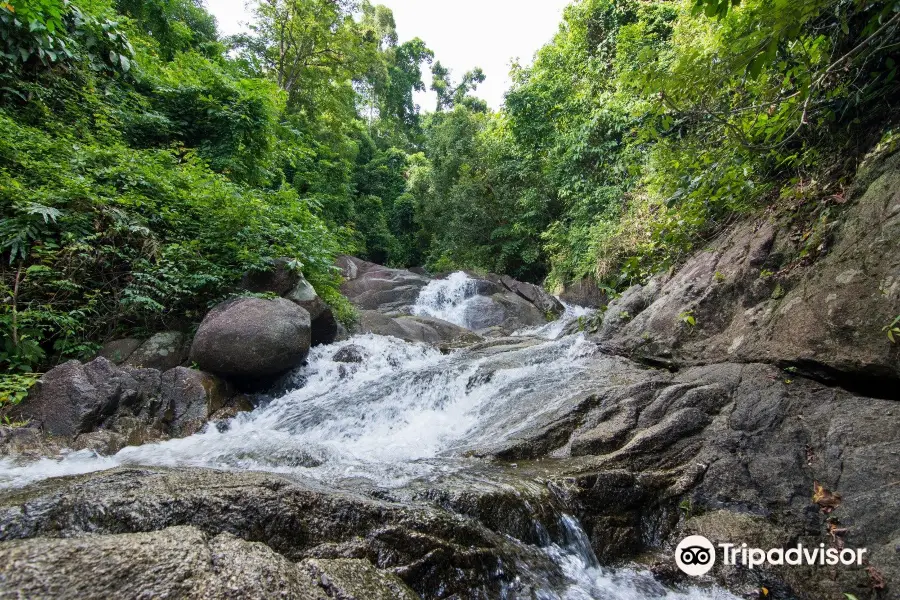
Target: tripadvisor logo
x=696, y=555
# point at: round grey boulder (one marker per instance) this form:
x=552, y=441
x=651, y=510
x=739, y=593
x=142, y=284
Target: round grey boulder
x=252, y=339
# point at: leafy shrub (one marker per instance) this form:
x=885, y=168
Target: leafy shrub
x=138, y=185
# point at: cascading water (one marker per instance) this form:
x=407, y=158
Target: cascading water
x=554, y=329
x=590, y=581
x=447, y=299
x=402, y=413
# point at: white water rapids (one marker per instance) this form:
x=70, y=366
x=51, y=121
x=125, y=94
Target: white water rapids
x=405, y=412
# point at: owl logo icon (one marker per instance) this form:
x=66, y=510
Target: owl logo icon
x=695, y=555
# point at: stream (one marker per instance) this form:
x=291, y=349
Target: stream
x=401, y=413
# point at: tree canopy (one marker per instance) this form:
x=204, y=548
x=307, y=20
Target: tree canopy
x=146, y=162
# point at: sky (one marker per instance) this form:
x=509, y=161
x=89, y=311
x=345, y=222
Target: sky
x=463, y=34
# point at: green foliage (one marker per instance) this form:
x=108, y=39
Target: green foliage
x=145, y=163
x=643, y=129
x=892, y=329
x=14, y=388
x=39, y=34
x=135, y=238
x=687, y=317
x=137, y=185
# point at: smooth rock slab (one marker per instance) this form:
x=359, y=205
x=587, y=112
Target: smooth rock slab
x=177, y=562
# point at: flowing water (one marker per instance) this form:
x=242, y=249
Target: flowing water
x=404, y=413
x=449, y=299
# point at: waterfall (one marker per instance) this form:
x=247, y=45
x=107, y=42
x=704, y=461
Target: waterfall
x=554, y=329
x=447, y=299
x=590, y=581
x=403, y=412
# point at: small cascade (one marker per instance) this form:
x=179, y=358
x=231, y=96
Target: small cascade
x=554, y=329
x=589, y=581
x=446, y=299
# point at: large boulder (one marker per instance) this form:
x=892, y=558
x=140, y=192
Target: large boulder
x=284, y=280
x=130, y=405
x=163, y=351
x=374, y=287
x=508, y=311
x=252, y=339
x=536, y=295
x=75, y=398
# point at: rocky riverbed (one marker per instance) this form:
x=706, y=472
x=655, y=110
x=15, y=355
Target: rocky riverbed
x=461, y=443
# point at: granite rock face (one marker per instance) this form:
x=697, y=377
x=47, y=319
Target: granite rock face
x=163, y=351
x=752, y=302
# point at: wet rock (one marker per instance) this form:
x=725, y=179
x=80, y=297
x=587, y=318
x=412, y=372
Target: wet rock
x=251, y=339
x=191, y=398
x=103, y=442
x=536, y=295
x=118, y=351
x=433, y=551
x=349, y=354
x=356, y=579
x=74, y=398
x=424, y=330
x=102, y=407
x=163, y=351
x=26, y=443
x=507, y=311
x=374, y=287
x=177, y=562
x=325, y=328
x=744, y=441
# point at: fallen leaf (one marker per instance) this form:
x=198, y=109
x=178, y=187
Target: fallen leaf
x=826, y=500
x=877, y=578
x=837, y=534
